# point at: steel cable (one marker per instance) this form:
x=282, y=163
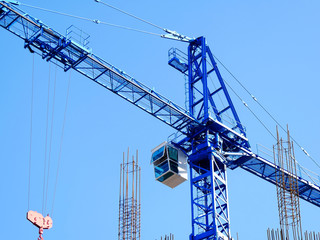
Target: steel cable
x=46, y=142
x=131, y=15
x=247, y=106
x=61, y=141
x=266, y=111
x=51, y=133
x=31, y=120
x=91, y=20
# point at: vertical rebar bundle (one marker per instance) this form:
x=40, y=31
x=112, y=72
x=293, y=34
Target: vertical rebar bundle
x=311, y=236
x=287, y=190
x=274, y=234
x=166, y=237
x=129, y=199
x=278, y=235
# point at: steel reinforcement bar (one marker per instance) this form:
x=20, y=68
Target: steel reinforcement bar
x=268, y=170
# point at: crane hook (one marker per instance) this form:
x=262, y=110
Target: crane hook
x=39, y=221
x=40, y=234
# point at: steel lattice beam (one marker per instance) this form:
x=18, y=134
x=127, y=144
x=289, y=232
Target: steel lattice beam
x=201, y=132
x=67, y=54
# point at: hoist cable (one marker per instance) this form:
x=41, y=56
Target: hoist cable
x=56, y=12
x=131, y=15
x=31, y=118
x=46, y=142
x=173, y=35
x=129, y=28
x=247, y=106
x=51, y=133
x=91, y=20
x=220, y=98
x=61, y=141
x=266, y=111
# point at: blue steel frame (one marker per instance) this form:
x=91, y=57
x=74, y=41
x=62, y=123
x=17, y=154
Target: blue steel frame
x=202, y=66
x=215, y=146
x=53, y=46
x=209, y=196
x=208, y=178
x=212, y=144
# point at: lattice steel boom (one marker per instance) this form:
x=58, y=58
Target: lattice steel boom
x=211, y=142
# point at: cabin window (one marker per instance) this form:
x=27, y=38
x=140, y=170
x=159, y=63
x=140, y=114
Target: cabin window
x=169, y=165
x=158, y=154
x=174, y=166
x=161, y=169
x=165, y=177
x=173, y=153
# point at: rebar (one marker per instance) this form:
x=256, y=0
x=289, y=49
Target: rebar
x=277, y=235
x=287, y=190
x=168, y=237
x=129, y=199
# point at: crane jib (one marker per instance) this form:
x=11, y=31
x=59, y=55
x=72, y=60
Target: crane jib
x=51, y=45
x=68, y=54
x=267, y=170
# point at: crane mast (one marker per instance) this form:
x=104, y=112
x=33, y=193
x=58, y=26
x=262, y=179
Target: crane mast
x=211, y=143
x=208, y=142
x=208, y=176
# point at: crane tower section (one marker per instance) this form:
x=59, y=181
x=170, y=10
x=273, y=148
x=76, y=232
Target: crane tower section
x=220, y=131
x=211, y=134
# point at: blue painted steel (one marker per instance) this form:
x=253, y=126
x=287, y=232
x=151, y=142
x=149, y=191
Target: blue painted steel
x=217, y=144
x=208, y=180
x=212, y=142
x=202, y=67
x=209, y=196
x=178, y=60
x=67, y=54
x=267, y=171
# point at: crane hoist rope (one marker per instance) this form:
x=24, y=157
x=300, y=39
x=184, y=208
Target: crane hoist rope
x=46, y=144
x=216, y=146
x=51, y=133
x=34, y=217
x=176, y=36
x=30, y=141
x=61, y=142
x=43, y=221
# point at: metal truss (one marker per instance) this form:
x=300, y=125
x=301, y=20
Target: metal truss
x=267, y=171
x=204, y=94
x=226, y=140
x=212, y=141
x=67, y=54
x=209, y=197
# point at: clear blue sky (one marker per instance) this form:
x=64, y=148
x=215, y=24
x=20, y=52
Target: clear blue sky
x=271, y=46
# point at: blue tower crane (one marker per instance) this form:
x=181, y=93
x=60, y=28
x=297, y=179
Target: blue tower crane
x=211, y=143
